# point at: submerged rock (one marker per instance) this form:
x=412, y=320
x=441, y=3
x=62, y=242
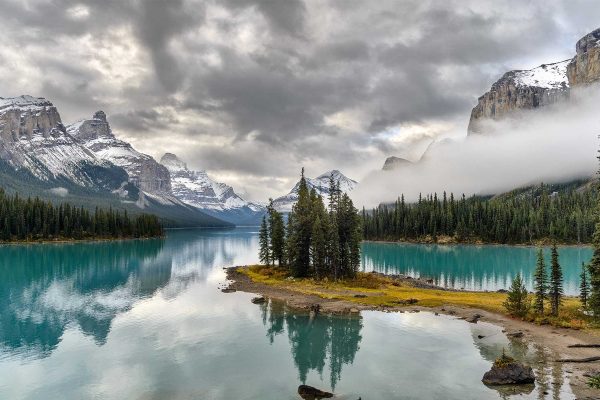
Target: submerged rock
x=507, y=371
x=228, y=290
x=311, y=393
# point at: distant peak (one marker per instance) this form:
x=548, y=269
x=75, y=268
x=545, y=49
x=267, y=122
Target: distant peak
x=394, y=162
x=172, y=162
x=100, y=115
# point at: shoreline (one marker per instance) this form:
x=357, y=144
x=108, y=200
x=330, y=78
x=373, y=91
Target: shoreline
x=424, y=242
x=557, y=339
x=67, y=241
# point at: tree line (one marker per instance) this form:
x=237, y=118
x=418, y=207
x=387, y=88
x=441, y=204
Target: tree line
x=317, y=241
x=519, y=217
x=35, y=219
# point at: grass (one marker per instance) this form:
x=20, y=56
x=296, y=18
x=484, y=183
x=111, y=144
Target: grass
x=381, y=291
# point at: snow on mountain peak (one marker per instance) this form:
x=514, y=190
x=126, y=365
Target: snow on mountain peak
x=173, y=163
x=321, y=186
x=197, y=189
x=550, y=76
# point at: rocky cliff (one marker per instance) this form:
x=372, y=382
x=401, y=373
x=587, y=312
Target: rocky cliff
x=393, y=162
x=521, y=90
x=547, y=84
x=584, y=68
x=144, y=172
x=33, y=139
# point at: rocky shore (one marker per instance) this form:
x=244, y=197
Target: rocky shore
x=558, y=340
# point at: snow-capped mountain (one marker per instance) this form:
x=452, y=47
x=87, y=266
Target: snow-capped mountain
x=196, y=188
x=96, y=135
x=33, y=138
x=320, y=184
x=83, y=164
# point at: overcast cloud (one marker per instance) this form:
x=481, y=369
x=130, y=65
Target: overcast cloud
x=251, y=90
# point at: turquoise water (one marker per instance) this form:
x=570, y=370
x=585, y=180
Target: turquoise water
x=486, y=267
x=145, y=319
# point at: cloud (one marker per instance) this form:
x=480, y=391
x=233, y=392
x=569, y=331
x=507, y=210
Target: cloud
x=551, y=145
x=328, y=84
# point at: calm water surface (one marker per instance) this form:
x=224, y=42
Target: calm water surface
x=472, y=267
x=145, y=320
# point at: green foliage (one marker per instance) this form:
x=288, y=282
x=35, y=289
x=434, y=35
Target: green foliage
x=264, y=252
x=519, y=217
x=540, y=284
x=35, y=219
x=276, y=234
x=584, y=285
x=504, y=360
x=556, y=282
x=318, y=243
x=517, y=303
x=594, y=382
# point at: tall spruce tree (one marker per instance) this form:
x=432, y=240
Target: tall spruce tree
x=594, y=267
x=556, y=281
x=264, y=252
x=540, y=283
x=276, y=234
x=584, y=288
x=517, y=302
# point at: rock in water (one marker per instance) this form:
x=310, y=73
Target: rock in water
x=311, y=393
x=507, y=371
x=258, y=300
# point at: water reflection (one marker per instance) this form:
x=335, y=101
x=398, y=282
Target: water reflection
x=46, y=288
x=313, y=340
x=470, y=267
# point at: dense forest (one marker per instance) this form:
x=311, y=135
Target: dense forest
x=525, y=216
x=319, y=242
x=34, y=219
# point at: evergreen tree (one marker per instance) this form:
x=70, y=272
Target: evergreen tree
x=263, y=241
x=540, y=283
x=584, y=288
x=318, y=248
x=517, y=302
x=556, y=282
x=276, y=234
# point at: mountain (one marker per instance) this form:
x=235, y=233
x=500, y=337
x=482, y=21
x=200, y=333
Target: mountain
x=34, y=139
x=197, y=189
x=547, y=84
x=320, y=184
x=40, y=156
x=96, y=135
x=393, y=162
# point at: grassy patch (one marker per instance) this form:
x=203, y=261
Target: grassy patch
x=381, y=291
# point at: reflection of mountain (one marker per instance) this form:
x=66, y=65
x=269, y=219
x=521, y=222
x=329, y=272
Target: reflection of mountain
x=45, y=288
x=314, y=340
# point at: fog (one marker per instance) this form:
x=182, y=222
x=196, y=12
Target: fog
x=550, y=145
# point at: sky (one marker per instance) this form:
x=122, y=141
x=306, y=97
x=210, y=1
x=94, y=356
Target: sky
x=253, y=90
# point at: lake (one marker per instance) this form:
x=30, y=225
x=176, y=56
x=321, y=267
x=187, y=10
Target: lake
x=145, y=319
x=471, y=267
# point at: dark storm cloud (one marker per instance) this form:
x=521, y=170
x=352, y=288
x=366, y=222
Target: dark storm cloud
x=304, y=78
x=283, y=16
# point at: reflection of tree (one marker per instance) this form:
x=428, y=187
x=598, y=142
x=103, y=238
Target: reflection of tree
x=44, y=288
x=313, y=340
x=472, y=267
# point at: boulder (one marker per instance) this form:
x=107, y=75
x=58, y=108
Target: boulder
x=474, y=318
x=507, y=371
x=311, y=393
x=258, y=300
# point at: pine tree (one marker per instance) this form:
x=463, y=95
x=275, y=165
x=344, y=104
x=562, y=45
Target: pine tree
x=540, y=283
x=556, y=282
x=264, y=253
x=276, y=234
x=584, y=288
x=517, y=302
x=318, y=248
